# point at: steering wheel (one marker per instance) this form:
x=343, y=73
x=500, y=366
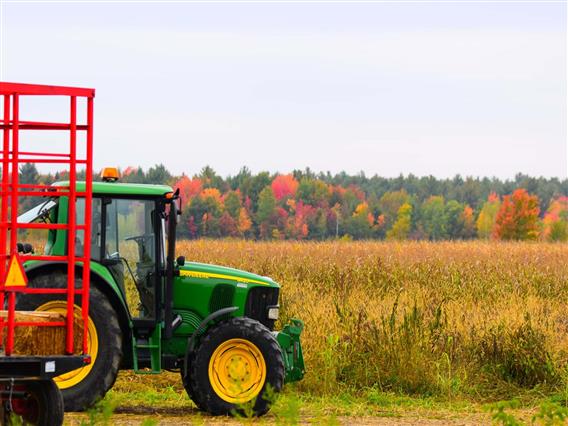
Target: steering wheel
x=138, y=238
x=143, y=249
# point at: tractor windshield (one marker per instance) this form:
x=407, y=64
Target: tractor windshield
x=41, y=211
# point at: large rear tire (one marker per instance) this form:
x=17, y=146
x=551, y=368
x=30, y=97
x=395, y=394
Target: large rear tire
x=83, y=387
x=233, y=367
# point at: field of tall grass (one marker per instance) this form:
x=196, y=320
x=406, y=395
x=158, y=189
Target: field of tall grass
x=474, y=320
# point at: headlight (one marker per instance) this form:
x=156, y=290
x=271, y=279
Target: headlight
x=273, y=312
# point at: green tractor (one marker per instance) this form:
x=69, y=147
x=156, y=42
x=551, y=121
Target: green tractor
x=150, y=311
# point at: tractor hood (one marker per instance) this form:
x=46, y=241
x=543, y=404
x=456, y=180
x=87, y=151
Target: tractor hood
x=204, y=270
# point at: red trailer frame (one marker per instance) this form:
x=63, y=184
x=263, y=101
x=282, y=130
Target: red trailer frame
x=11, y=124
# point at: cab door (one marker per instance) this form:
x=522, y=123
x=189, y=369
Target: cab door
x=131, y=250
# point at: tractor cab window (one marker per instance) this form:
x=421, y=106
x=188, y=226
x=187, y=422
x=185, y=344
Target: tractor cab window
x=96, y=233
x=41, y=212
x=45, y=212
x=130, y=251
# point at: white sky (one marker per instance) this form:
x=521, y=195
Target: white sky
x=431, y=88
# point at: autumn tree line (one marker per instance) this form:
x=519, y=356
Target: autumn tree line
x=304, y=205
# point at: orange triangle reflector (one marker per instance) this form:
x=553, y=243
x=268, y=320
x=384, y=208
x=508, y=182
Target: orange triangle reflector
x=16, y=276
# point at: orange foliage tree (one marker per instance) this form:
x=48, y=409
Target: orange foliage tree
x=555, y=221
x=468, y=221
x=244, y=223
x=212, y=193
x=517, y=218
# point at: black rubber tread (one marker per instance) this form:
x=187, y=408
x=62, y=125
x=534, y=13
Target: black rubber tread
x=197, y=382
x=49, y=409
x=190, y=389
x=105, y=369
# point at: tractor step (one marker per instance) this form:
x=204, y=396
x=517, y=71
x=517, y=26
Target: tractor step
x=146, y=349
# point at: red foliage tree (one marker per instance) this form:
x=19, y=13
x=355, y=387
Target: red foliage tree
x=129, y=170
x=517, y=218
x=298, y=223
x=359, y=193
x=493, y=197
x=188, y=188
x=248, y=204
x=228, y=225
x=284, y=186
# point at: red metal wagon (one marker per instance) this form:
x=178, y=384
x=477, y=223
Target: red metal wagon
x=26, y=388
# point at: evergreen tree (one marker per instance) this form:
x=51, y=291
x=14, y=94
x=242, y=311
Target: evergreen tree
x=454, y=220
x=233, y=204
x=158, y=175
x=29, y=174
x=265, y=211
x=257, y=184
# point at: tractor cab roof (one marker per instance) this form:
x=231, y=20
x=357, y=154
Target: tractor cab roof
x=117, y=188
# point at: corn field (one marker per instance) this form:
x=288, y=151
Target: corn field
x=469, y=319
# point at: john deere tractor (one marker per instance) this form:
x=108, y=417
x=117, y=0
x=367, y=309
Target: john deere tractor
x=151, y=311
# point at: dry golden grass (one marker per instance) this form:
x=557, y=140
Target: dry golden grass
x=480, y=319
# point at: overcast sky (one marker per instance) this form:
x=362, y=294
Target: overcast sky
x=431, y=88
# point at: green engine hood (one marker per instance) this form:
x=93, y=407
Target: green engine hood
x=204, y=270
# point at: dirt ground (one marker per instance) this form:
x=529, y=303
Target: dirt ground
x=140, y=415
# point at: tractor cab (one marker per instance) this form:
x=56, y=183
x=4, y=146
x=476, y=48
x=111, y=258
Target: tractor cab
x=128, y=239
x=151, y=312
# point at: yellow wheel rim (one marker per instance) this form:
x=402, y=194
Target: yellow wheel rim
x=237, y=371
x=74, y=377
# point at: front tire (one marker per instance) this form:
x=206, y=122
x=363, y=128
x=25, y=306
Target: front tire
x=83, y=387
x=234, y=365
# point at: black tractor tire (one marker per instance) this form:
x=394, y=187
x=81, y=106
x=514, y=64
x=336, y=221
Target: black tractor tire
x=103, y=374
x=198, y=384
x=43, y=405
x=185, y=380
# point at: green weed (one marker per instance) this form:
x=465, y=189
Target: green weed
x=501, y=416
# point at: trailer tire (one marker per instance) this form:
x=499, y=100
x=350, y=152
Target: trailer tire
x=43, y=407
x=240, y=350
x=82, y=391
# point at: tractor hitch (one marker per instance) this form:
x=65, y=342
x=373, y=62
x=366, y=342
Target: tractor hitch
x=289, y=340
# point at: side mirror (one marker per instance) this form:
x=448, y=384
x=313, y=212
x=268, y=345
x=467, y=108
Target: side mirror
x=178, y=210
x=180, y=261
